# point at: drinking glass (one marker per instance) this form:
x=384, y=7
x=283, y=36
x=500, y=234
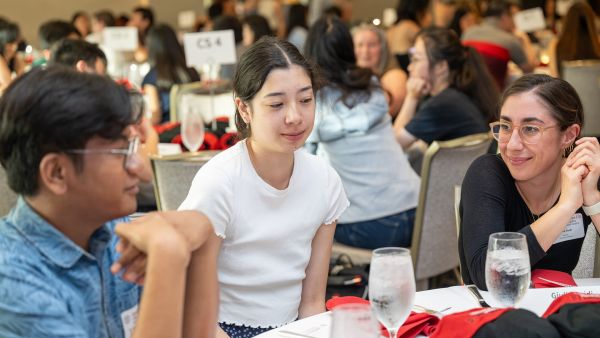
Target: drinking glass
x=353, y=321
x=192, y=126
x=507, y=269
x=391, y=287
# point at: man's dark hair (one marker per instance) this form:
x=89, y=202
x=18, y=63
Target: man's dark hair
x=215, y=10
x=106, y=17
x=146, y=12
x=53, y=110
x=53, y=31
x=496, y=8
x=225, y=22
x=67, y=52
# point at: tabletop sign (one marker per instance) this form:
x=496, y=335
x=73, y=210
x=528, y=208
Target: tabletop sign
x=121, y=38
x=530, y=20
x=204, y=48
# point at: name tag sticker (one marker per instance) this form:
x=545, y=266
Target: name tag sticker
x=129, y=319
x=573, y=230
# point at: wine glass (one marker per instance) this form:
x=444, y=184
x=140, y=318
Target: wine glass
x=391, y=287
x=507, y=269
x=192, y=126
x=353, y=321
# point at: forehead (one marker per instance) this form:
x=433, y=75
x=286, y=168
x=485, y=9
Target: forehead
x=366, y=35
x=285, y=80
x=525, y=107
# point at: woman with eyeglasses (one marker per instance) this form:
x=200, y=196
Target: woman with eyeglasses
x=542, y=184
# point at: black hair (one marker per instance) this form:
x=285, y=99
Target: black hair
x=329, y=45
x=106, y=17
x=412, y=10
x=9, y=33
x=225, y=22
x=53, y=110
x=259, y=25
x=256, y=64
x=77, y=14
x=497, y=8
x=53, y=31
x=467, y=72
x=296, y=18
x=557, y=95
x=166, y=54
x=333, y=11
x=68, y=52
x=147, y=14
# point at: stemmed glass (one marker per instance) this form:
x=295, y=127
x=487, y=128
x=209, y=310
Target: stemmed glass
x=391, y=287
x=192, y=126
x=353, y=321
x=507, y=269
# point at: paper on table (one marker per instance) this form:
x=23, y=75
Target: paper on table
x=315, y=326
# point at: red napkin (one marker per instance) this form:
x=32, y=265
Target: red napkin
x=543, y=278
x=570, y=298
x=466, y=323
x=417, y=323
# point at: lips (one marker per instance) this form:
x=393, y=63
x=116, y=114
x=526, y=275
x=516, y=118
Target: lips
x=132, y=189
x=293, y=136
x=518, y=160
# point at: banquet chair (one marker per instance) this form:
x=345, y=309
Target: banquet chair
x=8, y=198
x=434, y=246
x=584, y=76
x=495, y=57
x=588, y=265
x=173, y=176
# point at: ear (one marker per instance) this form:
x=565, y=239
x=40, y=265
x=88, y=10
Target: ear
x=53, y=173
x=244, y=110
x=570, y=135
x=440, y=70
x=81, y=66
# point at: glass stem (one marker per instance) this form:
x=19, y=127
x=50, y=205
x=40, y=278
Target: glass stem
x=393, y=333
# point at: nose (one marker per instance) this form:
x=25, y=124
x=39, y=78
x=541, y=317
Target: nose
x=134, y=164
x=515, y=142
x=293, y=115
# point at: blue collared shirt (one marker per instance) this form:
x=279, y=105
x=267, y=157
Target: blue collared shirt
x=50, y=287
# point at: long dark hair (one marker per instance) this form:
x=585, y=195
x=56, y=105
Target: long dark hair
x=9, y=33
x=166, y=54
x=296, y=18
x=256, y=64
x=466, y=70
x=578, y=40
x=329, y=44
x=412, y=10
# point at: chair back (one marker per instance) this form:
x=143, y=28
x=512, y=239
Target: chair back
x=584, y=76
x=495, y=57
x=219, y=92
x=8, y=198
x=587, y=266
x=173, y=176
x=434, y=246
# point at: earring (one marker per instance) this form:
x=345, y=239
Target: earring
x=568, y=150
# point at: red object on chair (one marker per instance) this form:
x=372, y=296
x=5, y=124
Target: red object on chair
x=496, y=58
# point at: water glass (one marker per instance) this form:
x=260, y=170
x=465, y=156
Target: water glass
x=353, y=321
x=391, y=287
x=192, y=126
x=507, y=268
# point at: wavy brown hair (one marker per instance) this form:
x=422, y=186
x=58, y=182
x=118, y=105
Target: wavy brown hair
x=578, y=40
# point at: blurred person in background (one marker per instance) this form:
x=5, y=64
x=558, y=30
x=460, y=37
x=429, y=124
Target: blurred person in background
x=371, y=50
x=577, y=40
x=465, y=16
x=141, y=18
x=296, y=28
x=353, y=133
x=81, y=21
x=100, y=20
x=450, y=92
x=227, y=22
x=12, y=61
x=52, y=32
x=168, y=67
x=412, y=15
x=254, y=27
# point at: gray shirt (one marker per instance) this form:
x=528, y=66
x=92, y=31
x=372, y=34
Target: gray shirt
x=488, y=31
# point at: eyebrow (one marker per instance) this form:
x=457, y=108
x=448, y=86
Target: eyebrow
x=282, y=93
x=527, y=119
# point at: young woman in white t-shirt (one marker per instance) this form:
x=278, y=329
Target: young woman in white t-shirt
x=273, y=205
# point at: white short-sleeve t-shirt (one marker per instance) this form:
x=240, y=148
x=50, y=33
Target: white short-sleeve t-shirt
x=267, y=233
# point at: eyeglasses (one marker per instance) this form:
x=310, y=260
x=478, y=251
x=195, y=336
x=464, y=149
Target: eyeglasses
x=529, y=133
x=129, y=153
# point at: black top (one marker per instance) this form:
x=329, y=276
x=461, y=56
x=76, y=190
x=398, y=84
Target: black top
x=446, y=116
x=490, y=203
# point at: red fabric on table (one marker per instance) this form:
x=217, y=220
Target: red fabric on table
x=570, y=298
x=415, y=324
x=543, y=278
x=465, y=324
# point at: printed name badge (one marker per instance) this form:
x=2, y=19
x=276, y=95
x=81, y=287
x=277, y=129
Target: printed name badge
x=573, y=230
x=129, y=319
x=209, y=48
x=120, y=38
x=530, y=20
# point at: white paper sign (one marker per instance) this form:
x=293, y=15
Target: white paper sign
x=530, y=20
x=186, y=19
x=121, y=38
x=209, y=48
x=538, y=300
x=573, y=230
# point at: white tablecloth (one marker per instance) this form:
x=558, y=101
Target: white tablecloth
x=456, y=298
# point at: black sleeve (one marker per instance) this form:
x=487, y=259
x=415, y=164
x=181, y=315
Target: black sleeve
x=429, y=123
